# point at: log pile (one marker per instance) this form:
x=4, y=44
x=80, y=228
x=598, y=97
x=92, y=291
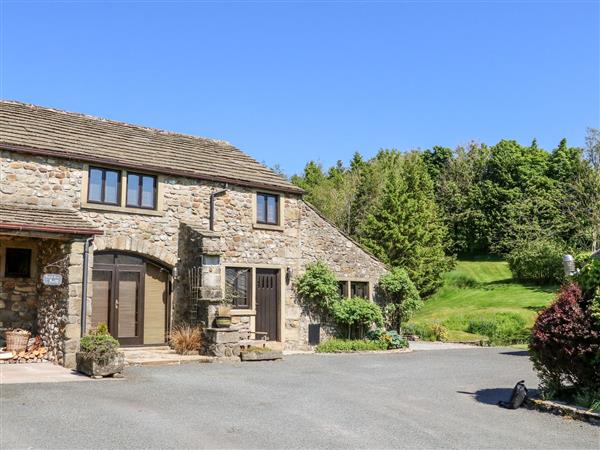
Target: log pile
x=35, y=353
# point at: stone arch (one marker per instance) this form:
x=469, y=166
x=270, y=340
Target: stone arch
x=132, y=244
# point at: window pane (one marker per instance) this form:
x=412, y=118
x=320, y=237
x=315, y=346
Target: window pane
x=133, y=182
x=111, y=189
x=148, y=192
x=95, y=185
x=272, y=209
x=237, y=286
x=343, y=288
x=359, y=289
x=18, y=263
x=99, y=258
x=260, y=208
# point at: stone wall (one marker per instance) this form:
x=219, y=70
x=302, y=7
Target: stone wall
x=52, y=317
x=304, y=237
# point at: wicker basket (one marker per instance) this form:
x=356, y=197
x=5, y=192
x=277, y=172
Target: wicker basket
x=16, y=340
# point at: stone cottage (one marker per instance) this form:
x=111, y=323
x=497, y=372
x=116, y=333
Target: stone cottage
x=107, y=222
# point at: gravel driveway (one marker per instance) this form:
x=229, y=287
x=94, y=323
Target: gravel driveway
x=423, y=399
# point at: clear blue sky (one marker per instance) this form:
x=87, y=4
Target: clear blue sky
x=292, y=81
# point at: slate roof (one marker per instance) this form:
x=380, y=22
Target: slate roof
x=53, y=220
x=40, y=130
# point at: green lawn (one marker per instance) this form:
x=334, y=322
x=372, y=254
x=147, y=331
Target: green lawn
x=482, y=286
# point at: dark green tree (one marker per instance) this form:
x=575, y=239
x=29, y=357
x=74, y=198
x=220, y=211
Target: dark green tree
x=404, y=228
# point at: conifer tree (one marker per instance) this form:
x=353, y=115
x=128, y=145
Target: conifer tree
x=403, y=228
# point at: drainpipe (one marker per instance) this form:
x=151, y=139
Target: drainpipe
x=84, y=284
x=212, y=206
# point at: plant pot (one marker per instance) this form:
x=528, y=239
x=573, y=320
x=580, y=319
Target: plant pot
x=223, y=321
x=94, y=368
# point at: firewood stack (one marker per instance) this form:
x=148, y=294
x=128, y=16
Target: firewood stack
x=35, y=353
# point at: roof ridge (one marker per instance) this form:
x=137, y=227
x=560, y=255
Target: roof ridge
x=117, y=122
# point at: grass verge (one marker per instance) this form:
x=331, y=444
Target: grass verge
x=480, y=301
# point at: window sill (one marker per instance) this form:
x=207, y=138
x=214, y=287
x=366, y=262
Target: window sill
x=121, y=209
x=264, y=226
x=243, y=312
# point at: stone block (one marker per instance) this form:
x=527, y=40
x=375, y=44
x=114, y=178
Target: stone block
x=221, y=335
x=69, y=360
x=76, y=259
x=72, y=331
x=77, y=247
x=75, y=274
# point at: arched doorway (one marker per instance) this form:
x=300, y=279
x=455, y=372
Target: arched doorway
x=131, y=295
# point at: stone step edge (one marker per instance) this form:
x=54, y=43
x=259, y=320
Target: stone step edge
x=575, y=412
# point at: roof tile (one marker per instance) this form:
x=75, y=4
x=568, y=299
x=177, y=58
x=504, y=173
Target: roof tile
x=55, y=220
x=77, y=136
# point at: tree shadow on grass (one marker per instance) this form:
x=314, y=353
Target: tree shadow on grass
x=493, y=396
x=545, y=288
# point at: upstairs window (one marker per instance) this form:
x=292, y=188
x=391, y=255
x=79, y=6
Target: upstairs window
x=237, y=286
x=18, y=263
x=267, y=208
x=141, y=191
x=104, y=186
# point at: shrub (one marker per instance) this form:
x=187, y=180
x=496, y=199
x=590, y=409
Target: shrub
x=537, y=261
x=186, y=339
x=319, y=286
x=343, y=345
x=99, y=344
x=391, y=338
x=401, y=297
x=589, y=278
x=501, y=328
x=565, y=343
x=462, y=281
x=356, y=314
x=582, y=258
x=439, y=331
x=426, y=331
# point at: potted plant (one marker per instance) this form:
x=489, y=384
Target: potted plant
x=99, y=355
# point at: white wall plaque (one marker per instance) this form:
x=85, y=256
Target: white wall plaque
x=52, y=279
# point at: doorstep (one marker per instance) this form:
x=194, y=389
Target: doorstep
x=156, y=356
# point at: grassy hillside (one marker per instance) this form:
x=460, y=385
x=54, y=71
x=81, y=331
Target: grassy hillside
x=479, y=288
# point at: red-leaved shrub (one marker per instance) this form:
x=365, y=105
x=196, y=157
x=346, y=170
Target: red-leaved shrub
x=565, y=343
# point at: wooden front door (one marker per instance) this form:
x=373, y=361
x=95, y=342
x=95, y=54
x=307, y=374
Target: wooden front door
x=130, y=295
x=267, y=302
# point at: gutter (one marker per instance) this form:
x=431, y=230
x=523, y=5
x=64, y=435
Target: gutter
x=64, y=230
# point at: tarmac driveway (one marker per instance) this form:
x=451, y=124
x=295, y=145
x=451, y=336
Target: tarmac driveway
x=423, y=399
